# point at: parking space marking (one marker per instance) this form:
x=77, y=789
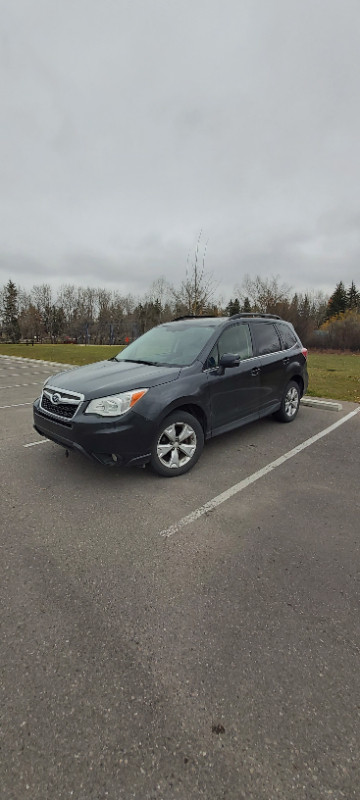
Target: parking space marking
x=20, y=361
x=238, y=487
x=19, y=385
x=19, y=375
x=32, y=444
x=16, y=405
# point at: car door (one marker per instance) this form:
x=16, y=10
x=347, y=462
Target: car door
x=234, y=395
x=271, y=356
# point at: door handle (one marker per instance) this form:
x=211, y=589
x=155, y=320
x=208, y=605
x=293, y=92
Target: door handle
x=255, y=371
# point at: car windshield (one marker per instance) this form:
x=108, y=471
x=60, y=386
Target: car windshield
x=177, y=344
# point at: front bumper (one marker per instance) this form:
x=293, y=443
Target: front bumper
x=124, y=441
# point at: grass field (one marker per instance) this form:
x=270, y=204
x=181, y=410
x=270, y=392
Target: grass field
x=63, y=353
x=334, y=376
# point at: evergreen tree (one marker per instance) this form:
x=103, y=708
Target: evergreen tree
x=353, y=298
x=338, y=301
x=148, y=314
x=246, y=306
x=10, y=312
x=305, y=307
x=233, y=307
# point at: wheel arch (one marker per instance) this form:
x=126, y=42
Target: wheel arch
x=191, y=408
x=297, y=379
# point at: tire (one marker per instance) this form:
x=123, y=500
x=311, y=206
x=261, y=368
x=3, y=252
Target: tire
x=178, y=445
x=290, y=403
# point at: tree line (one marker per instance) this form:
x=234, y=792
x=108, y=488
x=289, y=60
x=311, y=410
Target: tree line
x=321, y=321
x=90, y=315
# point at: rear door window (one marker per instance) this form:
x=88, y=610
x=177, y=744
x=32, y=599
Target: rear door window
x=266, y=338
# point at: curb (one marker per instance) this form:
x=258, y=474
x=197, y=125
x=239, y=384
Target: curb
x=326, y=404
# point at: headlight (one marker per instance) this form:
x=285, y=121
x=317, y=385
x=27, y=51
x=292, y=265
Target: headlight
x=115, y=404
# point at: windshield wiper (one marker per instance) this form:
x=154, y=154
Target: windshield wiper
x=140, y=361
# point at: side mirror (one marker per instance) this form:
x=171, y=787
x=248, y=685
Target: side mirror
x=228, y=360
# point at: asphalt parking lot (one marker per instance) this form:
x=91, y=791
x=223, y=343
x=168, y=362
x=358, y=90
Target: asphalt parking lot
x=180, y=638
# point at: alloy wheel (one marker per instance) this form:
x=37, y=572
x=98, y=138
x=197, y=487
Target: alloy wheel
x=291, y=401
x=177, y=445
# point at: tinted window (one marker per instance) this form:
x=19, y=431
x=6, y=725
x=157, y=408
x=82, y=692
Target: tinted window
x=287, y=335
x=266, y=338
x=235, y=340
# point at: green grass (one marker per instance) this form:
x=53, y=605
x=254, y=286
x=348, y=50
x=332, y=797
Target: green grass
x=334, y=376
x=63, y=353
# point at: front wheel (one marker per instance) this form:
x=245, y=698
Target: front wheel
x=178, y=445
x=290, y=403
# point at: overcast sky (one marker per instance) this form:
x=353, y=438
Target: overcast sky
x=129, y=126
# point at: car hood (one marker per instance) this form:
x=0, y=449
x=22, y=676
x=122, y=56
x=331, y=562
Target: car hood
x=111, y=377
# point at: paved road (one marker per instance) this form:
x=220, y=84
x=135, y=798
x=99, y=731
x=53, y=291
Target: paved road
x=220, y=662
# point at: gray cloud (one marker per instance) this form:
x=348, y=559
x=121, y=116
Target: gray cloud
x=126, y=128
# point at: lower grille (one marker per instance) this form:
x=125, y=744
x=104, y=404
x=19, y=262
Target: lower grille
x=55, y=420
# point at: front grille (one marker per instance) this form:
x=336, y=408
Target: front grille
x=61, y=410
x=65, y=405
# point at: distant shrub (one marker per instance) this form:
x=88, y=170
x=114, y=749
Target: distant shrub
x=342, y=331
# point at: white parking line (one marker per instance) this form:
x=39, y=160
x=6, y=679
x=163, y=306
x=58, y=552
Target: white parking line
x=22, y=375
x=32, y=444
x=16, y=405
x=19, y=385
x=38, y=361
x=238, y=487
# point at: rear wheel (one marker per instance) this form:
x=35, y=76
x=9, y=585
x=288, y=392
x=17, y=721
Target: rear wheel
x=290, y=403
x=178, y=445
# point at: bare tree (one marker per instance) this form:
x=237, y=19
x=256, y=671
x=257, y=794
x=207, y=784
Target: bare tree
x=265, y=294
x=30, y=322
x=67, y=299
x=104, y=320
x=159, y=291
x=51, y=315
x=196, y=292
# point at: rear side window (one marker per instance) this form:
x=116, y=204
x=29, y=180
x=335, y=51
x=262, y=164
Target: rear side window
x=266, y=338
x=288, y=336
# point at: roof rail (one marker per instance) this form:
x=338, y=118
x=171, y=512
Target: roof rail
x=195, y=316
x=254, y=314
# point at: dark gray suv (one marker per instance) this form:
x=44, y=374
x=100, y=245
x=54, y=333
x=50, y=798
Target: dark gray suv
x=177, y=385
